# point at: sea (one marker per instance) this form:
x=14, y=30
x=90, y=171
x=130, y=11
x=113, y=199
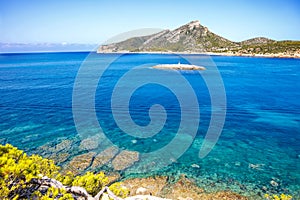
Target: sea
x=234, y=126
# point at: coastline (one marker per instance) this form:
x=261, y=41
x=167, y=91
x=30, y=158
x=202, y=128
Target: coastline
x=273, y=55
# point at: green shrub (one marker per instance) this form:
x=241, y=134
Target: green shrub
x=119, y=190
x=17, y=170
x=93, y=183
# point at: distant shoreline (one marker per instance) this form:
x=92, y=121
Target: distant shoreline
x=275, y=55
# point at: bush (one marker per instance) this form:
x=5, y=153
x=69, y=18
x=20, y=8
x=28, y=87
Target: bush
x=119, y=190
x=93, y=183
x=17, y=172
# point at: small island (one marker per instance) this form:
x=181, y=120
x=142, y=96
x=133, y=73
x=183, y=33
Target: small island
x=179, y=67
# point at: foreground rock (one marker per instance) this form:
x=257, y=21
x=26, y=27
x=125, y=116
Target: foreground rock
x=179, y=67
x=150, y=185
x=183, y=189
x=145, y=197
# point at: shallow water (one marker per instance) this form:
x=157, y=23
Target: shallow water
x=259, y=142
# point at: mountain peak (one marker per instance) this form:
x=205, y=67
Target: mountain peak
x=193, y=24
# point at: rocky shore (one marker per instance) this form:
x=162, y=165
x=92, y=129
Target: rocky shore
x=162, y=188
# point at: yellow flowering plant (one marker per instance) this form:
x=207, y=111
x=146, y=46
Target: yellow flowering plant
x=278, y=197
x=19, y=174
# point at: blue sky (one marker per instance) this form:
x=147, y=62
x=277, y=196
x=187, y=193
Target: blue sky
x=94, y=21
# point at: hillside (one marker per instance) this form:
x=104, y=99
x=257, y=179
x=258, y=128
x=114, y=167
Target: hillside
x=285, y=47
x=193, y=37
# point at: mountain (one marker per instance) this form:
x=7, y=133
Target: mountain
x=190, y=37
x=193, y=37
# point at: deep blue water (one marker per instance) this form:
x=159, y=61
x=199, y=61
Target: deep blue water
x=260, y=141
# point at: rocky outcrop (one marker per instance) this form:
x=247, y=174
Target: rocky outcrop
x=151, y=185
x=77, y=192
x=145, y=197
x=182, y=189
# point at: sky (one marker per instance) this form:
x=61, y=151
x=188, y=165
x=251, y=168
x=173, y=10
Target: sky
x=95, y=21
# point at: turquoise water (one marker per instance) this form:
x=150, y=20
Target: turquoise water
x=259, y=142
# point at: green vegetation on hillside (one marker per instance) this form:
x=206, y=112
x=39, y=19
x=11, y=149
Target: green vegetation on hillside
x=264, y=48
